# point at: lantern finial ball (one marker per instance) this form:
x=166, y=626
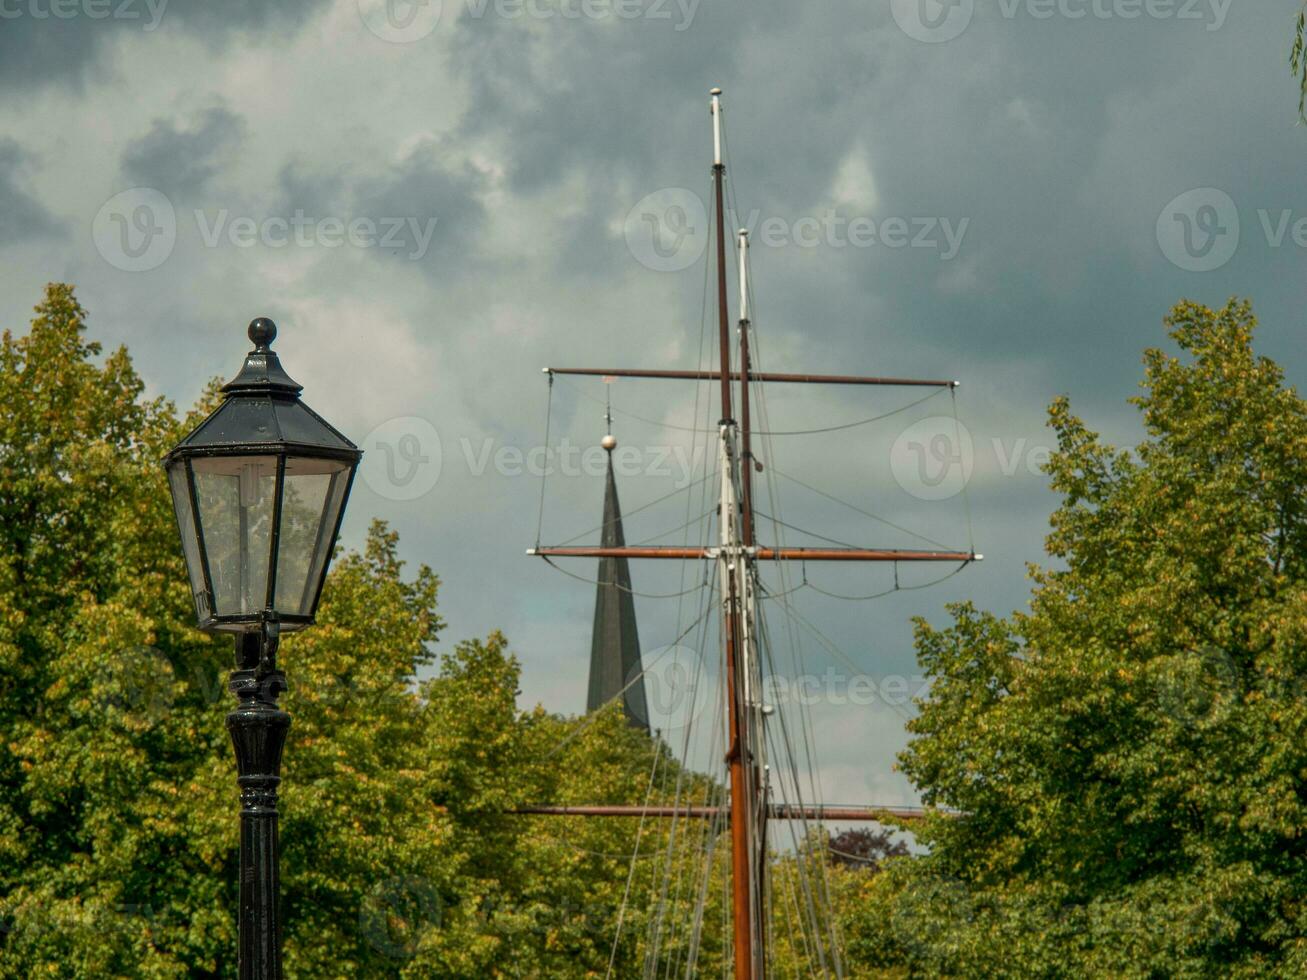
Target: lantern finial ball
x=262, y=332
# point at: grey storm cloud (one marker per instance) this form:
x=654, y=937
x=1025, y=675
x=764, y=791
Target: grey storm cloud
x=180, y=160
x=427, y=208
x=42, y=46
x=432, y=197
x=22, y=216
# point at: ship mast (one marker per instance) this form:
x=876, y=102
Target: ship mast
x=734, y=570
x=736, y=555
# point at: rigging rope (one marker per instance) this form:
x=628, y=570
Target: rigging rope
x=840, y=427
x=865, y=513
x=630, y=877
x=640, y=509
x=544, y=470
x=618, y=585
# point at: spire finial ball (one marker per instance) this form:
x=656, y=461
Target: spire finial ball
x=262, y=332
x=609, y=442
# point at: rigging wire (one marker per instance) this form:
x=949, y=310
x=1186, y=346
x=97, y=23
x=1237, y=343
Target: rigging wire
x=854, y=507
x=897, y=587
x=688, y=524
x=630, y=877
x=632, y=513
x=966, y=495
x=618, y=585
x=544, y=470
x=840, y=427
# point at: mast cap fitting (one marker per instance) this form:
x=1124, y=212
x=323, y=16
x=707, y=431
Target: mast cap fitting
x=715, y=91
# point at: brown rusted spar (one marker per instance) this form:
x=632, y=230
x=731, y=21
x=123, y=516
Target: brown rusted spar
x=763, y=554
x=777, y=811
x=763, y=376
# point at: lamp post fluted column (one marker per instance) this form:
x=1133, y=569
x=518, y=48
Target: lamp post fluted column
x=258, y=734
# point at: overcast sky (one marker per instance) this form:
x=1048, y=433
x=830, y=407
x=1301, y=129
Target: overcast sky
x=436, y=200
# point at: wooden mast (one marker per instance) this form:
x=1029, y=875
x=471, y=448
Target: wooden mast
x=757, y=772
x=738, y=753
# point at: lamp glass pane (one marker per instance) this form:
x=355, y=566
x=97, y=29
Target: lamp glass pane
x=181, y=502
x=236, y=496
x=314, y=494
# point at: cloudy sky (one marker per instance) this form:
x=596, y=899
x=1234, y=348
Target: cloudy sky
x=435, y=200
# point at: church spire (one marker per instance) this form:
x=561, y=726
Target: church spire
x=615, y=643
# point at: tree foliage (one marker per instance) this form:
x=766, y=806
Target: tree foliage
x=1130, y=755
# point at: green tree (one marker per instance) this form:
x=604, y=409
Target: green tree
x=1129, y=756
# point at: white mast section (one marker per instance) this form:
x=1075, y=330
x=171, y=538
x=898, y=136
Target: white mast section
x=744, y=278
x=716, y=126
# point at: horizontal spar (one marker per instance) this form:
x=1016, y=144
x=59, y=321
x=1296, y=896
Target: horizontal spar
x=764, y=376
x=774, y=812
x=762, y=554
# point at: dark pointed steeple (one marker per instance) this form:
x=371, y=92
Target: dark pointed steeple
x=615, y=643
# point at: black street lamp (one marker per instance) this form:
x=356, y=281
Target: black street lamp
x=259, y=488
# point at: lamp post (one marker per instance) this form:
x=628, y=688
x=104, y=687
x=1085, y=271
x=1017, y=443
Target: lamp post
x=259, y=488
